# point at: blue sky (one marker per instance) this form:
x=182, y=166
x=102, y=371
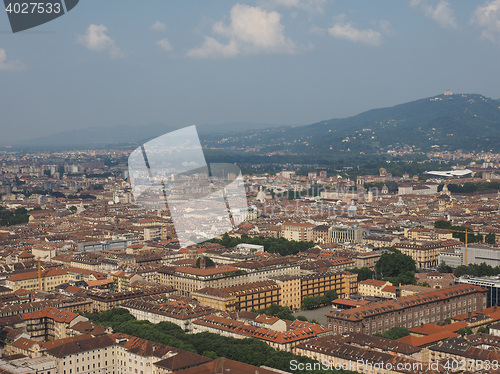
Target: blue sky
x=134, y=62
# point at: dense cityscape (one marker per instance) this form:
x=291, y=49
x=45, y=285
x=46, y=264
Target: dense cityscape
x=324, y=270
x=249, y=187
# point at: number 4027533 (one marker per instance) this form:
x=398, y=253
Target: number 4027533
x=33, y=8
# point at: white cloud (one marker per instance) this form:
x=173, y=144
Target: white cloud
x=487, y=17
x=442, y=12
x=250, y=30
x=312, y=6
x=96, y=39
x=9, y=65
x=165, y=45
x=158, y=26
x=345, y=30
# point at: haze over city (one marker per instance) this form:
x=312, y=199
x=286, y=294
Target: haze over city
x=274, y=62
x=335, y=210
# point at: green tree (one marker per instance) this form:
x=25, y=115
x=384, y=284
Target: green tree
x=285, y=313
x=465, y=331
x=208, y=262
x=483, y=330
x=443, y=268
x=424, y=284
x=396, y=268
x=395, y=333
x=311, y=302
x=363, y=273
x=490, y=238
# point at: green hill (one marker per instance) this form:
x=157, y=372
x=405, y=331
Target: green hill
x=461, y=121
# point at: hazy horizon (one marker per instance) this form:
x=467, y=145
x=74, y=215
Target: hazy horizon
x=266, y=61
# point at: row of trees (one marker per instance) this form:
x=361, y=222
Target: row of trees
x=471, y=236
x=478, y=270
x=470, y=187
x=281, y=312
x=10, y=218
x=250, y=351
x=313, y=302
x=394, y=333
x=363, y=273
x=272, y=245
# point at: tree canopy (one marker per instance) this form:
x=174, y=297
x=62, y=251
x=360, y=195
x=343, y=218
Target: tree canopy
x=250, y=351
x=396, y=267
x=478, y=270
x=395, y=333
x=272, y=245
x=11, y=218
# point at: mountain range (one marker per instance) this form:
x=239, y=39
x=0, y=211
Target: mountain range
x=442, y=122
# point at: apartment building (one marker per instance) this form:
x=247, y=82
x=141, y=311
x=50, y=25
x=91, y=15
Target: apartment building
x=317, y=284
x=180, y=314
x=291, y=292
x=321, y=234
x=121, y=354
x=436, y=280
x=366, y=260
x=364, y=354
x=262, y=270
x=372, y=287
x=187, y=279
x=50, y=323
x=409, y=311
x=282, y=290
x=427, y=234
x=298, y=231
x=101, y=301
x=426, y=255
x=296, y=332
x=216, y=298
x=380, y=241
x=257, y=296
x=346, y=234
x=49, y=279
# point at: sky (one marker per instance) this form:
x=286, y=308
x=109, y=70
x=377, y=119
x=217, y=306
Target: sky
x=134, y=62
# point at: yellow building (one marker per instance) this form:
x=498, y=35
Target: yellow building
x=426, y=254
x=215, y=298
x=257, y=295
x=49, y=279
x=372, y=287
x=290, y=291
x=317, y=284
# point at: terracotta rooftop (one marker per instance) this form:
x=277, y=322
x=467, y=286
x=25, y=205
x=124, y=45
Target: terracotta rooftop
x=422, y=341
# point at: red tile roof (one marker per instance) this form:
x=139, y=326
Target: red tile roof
x=422, y=341
x=55, y=314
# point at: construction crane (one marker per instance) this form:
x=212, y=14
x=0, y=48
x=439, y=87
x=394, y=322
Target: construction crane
x=39, y=275
x=466, y=240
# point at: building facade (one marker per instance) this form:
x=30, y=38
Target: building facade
x=409, y=311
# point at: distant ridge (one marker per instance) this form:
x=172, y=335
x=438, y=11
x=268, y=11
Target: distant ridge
x=441, y=122
x=125, y=134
